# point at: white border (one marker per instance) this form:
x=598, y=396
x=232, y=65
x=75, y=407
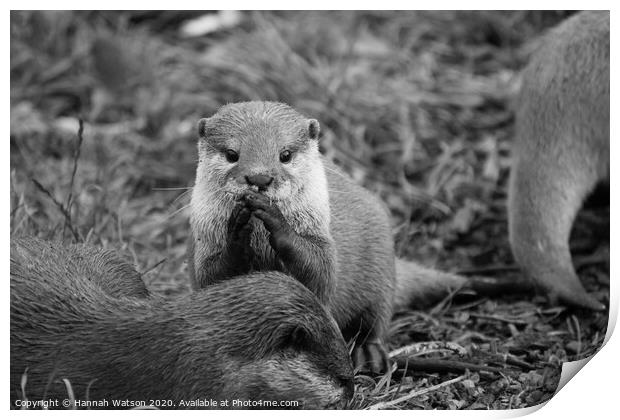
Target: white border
x=591, y=395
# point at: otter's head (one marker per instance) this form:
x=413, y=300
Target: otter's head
x=264, y=146
x=265, y=337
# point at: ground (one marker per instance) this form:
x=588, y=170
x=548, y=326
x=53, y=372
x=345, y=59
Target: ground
x=416, y=106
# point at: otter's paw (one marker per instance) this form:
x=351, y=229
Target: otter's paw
x=239, y=231
x=282, y=235
x=371, y=357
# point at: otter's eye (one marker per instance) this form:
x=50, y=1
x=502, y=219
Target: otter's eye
x=285, y=156
x=231, y=155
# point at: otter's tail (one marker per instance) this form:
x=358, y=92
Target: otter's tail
x=419, y=286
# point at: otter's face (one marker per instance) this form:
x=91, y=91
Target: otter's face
x=264, y=147
x=294, y=377
x=304, y=360
x=268, y=338
x=311, y=372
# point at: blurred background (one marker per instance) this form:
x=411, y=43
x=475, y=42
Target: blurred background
x=416, y=106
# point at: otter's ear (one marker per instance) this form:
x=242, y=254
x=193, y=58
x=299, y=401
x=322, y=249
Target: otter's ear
x=204, y=127
x=297, y=337
x=313, y=129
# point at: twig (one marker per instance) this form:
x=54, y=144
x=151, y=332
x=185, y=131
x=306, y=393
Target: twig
x=577, y=331
x=58, y=204
x=70, y=393
x=153, y=267
x=170, y=188
x=416, y=393
x=444, y=366
x=23, y=383
x=418, y=348
x=506, y=358
x=76, y=157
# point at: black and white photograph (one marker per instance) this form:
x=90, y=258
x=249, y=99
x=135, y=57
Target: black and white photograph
x=350, y=210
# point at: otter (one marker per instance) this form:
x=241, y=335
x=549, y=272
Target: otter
x=76, y=315
x=561, y=151
x=266, y=199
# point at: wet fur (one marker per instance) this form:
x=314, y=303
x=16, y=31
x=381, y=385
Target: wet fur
x=74, y=315
x=561, y=151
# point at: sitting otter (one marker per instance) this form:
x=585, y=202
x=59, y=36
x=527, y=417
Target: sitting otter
x=265, y=199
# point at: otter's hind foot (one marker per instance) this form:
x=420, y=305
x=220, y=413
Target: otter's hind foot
x=371, y=357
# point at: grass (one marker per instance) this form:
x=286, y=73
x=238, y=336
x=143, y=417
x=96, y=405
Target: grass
x=413, y=105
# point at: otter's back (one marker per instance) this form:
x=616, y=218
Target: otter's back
x=360, y=227
x=70, y=265
x=563, y=106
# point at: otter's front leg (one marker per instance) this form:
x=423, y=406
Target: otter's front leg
x=307, y=258
x=234, y=259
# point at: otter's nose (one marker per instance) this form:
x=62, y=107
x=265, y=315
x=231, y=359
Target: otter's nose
x=260, y=180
